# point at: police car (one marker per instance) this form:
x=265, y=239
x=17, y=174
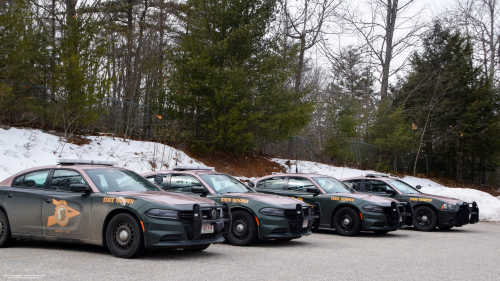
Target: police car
x=93, y=202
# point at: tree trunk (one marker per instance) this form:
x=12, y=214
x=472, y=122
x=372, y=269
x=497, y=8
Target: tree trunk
x=392, y=7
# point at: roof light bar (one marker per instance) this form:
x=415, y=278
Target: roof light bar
x=83, y=161
x=187, y=168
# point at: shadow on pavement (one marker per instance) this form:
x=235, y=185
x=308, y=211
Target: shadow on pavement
x=365, y=234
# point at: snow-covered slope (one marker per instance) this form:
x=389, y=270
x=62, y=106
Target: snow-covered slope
x=489, y=206
x=25, y=148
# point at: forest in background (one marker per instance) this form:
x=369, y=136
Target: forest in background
x=373, y=84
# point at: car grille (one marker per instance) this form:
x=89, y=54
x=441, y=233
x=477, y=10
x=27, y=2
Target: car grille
x=295, y=219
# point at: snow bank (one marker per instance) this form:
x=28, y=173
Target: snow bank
x=489, y=206
x=21, y=149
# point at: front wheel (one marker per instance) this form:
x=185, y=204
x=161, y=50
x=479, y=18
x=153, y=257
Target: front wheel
x=124, y=236
x=424, y=218
x=347, y=222
x=243, y=229
x=5, y=238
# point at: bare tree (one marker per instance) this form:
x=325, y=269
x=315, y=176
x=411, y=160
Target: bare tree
x=305, y=22
x=480, y=18
x=387, y=33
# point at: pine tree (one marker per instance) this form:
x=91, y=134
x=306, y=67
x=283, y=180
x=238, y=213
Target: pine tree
x=452, y=105
x=229, y=82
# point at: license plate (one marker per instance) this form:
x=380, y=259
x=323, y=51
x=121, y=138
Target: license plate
x=305, y=223
x=207, y=228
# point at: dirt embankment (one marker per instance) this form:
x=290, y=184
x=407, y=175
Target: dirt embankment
x=248, y=165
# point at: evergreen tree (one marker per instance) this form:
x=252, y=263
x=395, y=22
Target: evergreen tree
x=229, y=82
x=451, y=104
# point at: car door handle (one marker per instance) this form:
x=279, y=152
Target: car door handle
x=48, y=200
x=10, y=195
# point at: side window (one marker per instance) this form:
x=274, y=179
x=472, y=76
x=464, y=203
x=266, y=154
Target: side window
x=262, y=184
x=272, y=183
x=183, y=183
x=35, y=179
x=355, y=184
x=376, y=186
x=299, y=184
x=62, y=179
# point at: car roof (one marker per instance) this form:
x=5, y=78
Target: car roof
x=192, y=172
x=376, y=178
x=307, y=175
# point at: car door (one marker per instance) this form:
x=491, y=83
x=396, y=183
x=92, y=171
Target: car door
x=23, y=202
x=274, y=185
x=66, y=214
x=297, y=188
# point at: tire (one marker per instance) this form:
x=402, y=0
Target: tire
x=196, y=248
x=124, y=236
x=346, y=222
x=424, y=218
x=243, y=230
x=381, y=231
x=5, y=238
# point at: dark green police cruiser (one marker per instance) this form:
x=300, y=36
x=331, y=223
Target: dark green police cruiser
x=345, y=210
x=430, y=210
x=254, y=215
x=92, y=202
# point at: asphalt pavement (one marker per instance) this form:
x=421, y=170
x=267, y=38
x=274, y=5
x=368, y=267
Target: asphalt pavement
x=466, y=253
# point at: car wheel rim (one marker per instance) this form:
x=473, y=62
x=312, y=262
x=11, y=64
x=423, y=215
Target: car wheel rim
x=2, y=228
x=123, y=235
x=424, y=218
x=241, y=228
x=346, y=222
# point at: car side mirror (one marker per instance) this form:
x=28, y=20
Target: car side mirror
x=158, y=179
x=197, y=189
x=251, y=184
x=312, y=190
x=418, y=187
x=391, y=192
x=79, y=187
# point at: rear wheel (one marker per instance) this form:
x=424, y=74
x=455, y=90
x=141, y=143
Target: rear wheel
x=243, y=230
x=124, y=236
x=196, y=248
x=5, y=239
x=347, y=222
x=424, y=218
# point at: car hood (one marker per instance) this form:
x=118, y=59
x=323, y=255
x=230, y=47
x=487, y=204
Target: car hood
x=367, y=197
x=266, y=198
x=448, y=200
x=165, y=197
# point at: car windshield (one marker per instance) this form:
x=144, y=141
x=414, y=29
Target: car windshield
x=403, y=187
x=224, y=184
x=116, y=180
x=331, y=185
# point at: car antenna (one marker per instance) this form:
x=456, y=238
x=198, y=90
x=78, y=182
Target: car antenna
x=296, y=167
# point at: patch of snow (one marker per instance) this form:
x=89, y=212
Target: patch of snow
x=489, y=206
x=26, y=148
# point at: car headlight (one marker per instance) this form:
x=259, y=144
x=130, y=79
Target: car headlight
x=272, y=212
x=371, y=208
x=448, y=207
x=162, y=214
